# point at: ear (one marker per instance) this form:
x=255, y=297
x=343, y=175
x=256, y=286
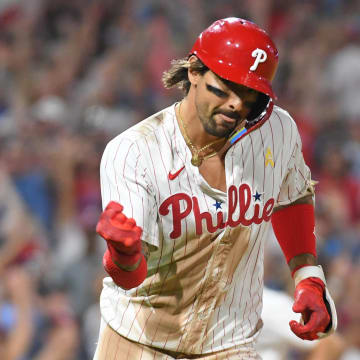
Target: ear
x=193, y=75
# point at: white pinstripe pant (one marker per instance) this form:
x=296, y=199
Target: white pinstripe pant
x=112, y=346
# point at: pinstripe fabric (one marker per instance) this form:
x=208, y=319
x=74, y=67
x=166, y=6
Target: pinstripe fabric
x=116, y=347
x=203, y=292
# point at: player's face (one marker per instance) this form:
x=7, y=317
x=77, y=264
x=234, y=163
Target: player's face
x=222, y=105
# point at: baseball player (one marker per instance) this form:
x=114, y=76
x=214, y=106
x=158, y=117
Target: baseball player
x=189, y=195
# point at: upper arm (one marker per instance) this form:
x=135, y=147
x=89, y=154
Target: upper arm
x=297, y=186
x=124, y=179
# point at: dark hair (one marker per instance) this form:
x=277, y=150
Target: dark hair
x=177, y=75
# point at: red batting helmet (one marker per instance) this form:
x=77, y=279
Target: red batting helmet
x=239, y=51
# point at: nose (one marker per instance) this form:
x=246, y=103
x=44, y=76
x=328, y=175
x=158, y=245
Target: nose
x=235, y=103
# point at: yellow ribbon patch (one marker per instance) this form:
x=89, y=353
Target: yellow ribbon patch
x=269, y=158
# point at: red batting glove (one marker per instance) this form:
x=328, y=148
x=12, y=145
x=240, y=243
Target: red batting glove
x=309, y=301
x=121, y=234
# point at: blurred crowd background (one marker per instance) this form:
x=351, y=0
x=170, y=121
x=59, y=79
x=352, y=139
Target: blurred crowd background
x=75, y=73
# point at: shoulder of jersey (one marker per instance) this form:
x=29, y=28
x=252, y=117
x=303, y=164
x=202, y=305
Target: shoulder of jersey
x=144, y=128
x=282, y=115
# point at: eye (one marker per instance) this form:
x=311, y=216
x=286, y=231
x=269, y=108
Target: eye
x=249, y=104
x=216, y=91
x=251, y=100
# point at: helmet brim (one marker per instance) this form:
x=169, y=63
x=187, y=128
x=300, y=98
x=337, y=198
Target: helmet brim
x=229, y=72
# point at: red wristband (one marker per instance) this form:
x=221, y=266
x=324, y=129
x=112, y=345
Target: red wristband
x=125, y=279
x=294, y=229
x=122, y=258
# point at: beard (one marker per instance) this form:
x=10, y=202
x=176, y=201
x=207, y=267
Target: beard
x=209, y=123
x=214, y=129
x=218, y=130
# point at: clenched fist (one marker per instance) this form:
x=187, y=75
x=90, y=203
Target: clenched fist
x=309, y=301
x=122, y=235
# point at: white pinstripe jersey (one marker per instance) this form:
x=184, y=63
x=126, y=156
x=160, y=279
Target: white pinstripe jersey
x=203, y=292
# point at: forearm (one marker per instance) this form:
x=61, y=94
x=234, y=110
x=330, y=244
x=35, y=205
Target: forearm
x=294, y=226
x=146, y=251
x=126, y=279
x=128, y=267
x=299, y=261
x=123, y=260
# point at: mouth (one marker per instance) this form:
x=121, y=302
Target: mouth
x=227, y=121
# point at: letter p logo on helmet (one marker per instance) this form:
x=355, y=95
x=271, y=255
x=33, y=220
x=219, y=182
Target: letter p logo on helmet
x=260, y=57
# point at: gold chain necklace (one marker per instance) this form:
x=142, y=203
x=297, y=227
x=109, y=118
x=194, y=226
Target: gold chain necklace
x=196, y=158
